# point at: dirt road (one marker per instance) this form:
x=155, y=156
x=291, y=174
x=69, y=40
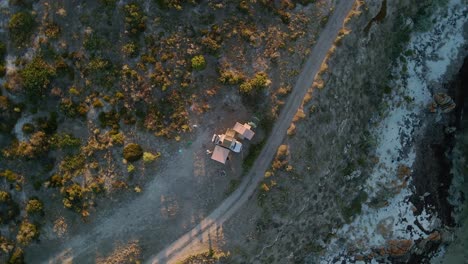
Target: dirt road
x=209, y=228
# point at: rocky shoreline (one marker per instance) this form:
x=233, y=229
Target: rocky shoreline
x=409, y=215
x=432, y=175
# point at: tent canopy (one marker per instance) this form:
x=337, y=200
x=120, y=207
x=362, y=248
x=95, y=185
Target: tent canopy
x=220, y=154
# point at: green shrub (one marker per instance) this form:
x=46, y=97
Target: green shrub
x=102, y=71
x=72, y=109
x=37, y=145
x=2, y=70
x=252, y=155
x=97, y=103
x=256, y=84
x=21, y=26
x=118, y=138
x=108, y=3
x=130, y=168
x=149, y=157
x=109, y=119
x=2, y=51
x=94, y=43
x=74, y=193
x=28, y=128
x=48, y=125
x=174, y=4
x=37, y=76
x=231, y=77
x=27, y=233
x=233, y=184
x=4, y=196
x=9, y=175
x=355, y=207
x=34, y=206
x=52, y=30
x=9, y=210
x=64, y=140
x=73, y=163
x=17, y=257
x=130, y=49
x=198, y=63
x=132, y=152
x=56, y=181
x=21, y=3
x=135, y=19
x=210, y=44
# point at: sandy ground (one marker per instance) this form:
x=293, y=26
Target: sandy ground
x=178, y=197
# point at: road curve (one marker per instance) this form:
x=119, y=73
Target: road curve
x=207, y=230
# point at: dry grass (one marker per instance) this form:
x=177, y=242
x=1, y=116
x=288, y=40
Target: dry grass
x=307, y=97
x=123, y=254
x=299, y=115
x=280, y=160
x=291, y=130
x=403, y=171
x=60, y=227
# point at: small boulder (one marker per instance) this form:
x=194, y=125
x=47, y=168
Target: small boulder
x=384, y=227
x=398, y=248
x=445, y=102
x=132, y=152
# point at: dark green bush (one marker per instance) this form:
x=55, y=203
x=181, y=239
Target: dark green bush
x=34, y=205
x=72, y=109
x=172, y=4
x=102, y=71
x=64, y=140
x=108, y=3
x=4, y=197
x=9, y=175
x=2, y=70
x=355, y=207
x=37, y=76
x=130, y=49
x=21, y=3
x=2, y=51
x=56, y=181
x=21, y=26
x=95, y=43
x=73, y=163
x=28, y=128
x=17, y=257
x=9, y=210
x=135, y=19
x=48, y=125
x=109, y=119
x=198, y=63
x=211, y=45
x=256, y=84
x=132, y=152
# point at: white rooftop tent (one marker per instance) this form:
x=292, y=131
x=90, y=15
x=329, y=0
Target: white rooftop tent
x=244, y=130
